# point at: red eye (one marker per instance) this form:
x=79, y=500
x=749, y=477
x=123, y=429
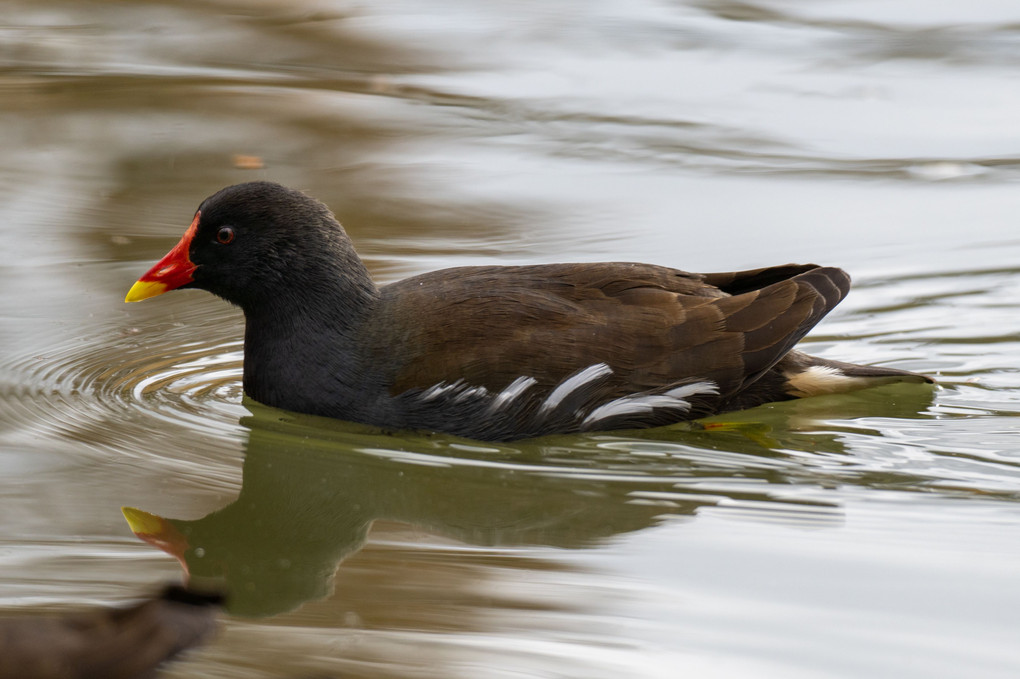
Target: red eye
x=225, y=235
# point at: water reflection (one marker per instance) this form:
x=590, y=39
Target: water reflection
x=307, y=503
x=312, y=488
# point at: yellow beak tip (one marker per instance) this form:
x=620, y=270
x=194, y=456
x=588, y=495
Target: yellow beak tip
x=141, y=522
x=144, y=290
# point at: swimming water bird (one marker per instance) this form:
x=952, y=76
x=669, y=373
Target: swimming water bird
x=498, y=352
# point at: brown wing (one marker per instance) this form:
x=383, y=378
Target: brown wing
x=652, y=325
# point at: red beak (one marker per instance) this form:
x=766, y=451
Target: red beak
x=169, y=273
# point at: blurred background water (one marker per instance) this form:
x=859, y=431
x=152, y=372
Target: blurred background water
x=876, y=534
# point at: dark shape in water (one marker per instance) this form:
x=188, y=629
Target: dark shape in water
x=112, y=643
x=498, y=352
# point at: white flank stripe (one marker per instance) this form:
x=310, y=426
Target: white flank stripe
x=437, y=390
x=635, y=405
x=469, y=393
x=694, y=389
x=459, y=391
x=589, y=374
x=512, y=391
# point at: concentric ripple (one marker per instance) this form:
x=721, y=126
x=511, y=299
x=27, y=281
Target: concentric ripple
x=118, y=393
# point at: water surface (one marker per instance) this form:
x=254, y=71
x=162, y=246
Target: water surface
x=875, y=534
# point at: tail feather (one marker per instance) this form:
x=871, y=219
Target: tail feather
x=799, y=375
x=812, y=376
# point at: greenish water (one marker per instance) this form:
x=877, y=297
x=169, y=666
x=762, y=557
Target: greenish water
x=875, y=534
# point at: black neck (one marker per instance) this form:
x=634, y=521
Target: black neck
x=304, y=346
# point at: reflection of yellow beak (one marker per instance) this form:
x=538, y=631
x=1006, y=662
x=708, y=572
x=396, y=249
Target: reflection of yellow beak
x=142, y=522
x=144, y=290
x=158, y=532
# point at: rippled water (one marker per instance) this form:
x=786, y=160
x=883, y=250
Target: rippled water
x=875, y=534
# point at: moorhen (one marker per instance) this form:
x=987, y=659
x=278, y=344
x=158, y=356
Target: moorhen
x=498, y=352
x=112, y=643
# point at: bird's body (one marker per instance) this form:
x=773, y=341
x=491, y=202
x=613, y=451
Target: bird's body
x=498, y=353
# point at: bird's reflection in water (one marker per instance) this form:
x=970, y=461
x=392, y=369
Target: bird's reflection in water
x=311, y=489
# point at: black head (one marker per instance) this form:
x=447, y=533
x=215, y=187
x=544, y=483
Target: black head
x=257, y=244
